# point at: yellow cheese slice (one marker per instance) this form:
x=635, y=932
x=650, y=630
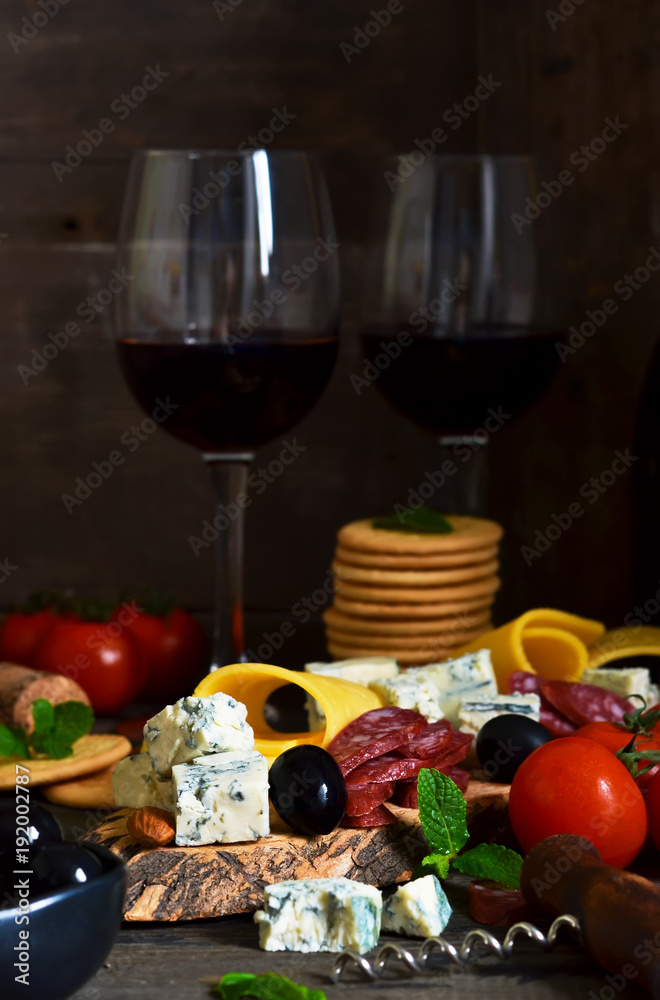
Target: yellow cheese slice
x=629, y=640
x=253, y=683
x=552, y=644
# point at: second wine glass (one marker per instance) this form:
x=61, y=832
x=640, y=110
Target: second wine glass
x=231, y=314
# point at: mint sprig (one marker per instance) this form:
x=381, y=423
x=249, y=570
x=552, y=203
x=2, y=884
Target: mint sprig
x=422, y=521
x=56, y=729
x=491, y=861
x=442, y=813
x=270, y=986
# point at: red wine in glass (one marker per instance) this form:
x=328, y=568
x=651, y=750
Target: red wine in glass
x=233, y=396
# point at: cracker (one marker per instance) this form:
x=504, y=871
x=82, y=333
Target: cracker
x=441, y=640
x=90, y=753
x=383, y=610
x=434, y=560
x=413, y=577
x=420, y=626
x=93, y=791
x=469, y=533
x=421, y=595
x=406, y=657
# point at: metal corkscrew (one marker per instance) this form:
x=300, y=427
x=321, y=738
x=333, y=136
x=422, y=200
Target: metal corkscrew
x=375, y=968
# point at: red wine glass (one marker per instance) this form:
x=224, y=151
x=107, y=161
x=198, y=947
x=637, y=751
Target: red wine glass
x=452, y=316
x=230, y=318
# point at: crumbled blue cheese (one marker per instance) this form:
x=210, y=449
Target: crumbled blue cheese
x=624, y=682
x=475, y=712
x=136, y=784
x=195, y=726
x=222, y=798
x=417, y=909
x=360, y=670
x=323, y=914
x=437, y=689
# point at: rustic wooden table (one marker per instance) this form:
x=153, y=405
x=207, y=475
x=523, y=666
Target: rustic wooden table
x=171, y=961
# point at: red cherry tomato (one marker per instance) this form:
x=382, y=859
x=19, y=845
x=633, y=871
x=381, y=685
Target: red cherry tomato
x=615, y=737
x=652, y=800
x=573, y=785
x=175, y=648
x=20, y=632
x=103, y=657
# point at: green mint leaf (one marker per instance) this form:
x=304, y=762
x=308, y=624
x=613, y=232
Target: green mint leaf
x=43, y=714
x=71, y=720
x=51, y=747
x=422, y=521
x=433, y=864
x=13, y=742
x=491, y=861
x=270, y=986
x=442, y=812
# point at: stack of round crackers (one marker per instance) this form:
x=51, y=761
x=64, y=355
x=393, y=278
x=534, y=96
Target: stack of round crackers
x=417, y=597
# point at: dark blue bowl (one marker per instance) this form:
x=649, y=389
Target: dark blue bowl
x=71, y=932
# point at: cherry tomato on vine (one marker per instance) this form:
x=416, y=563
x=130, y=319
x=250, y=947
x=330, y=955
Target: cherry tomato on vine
x=24, y=626
x=652, y=800
x=101, y=656
x=615, y=737
x=575, y=785
x=173, y=642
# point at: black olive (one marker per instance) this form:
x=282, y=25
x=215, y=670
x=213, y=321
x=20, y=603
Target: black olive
x=505, y=741
x=62, y=865
x=307, y=789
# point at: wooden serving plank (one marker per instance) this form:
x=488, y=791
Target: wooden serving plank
x=188, y=883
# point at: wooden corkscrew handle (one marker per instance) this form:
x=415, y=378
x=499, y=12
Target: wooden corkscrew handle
x=619, y=912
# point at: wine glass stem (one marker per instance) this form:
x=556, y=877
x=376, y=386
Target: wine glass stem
x=229, y=476
x=466, y=488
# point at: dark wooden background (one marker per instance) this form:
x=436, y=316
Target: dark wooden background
x=559, y=83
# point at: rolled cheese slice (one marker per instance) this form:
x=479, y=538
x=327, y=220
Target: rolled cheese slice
x=253, y=683
x=620, y=643
x=552, y=644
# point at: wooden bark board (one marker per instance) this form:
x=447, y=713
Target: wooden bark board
x=187, y=883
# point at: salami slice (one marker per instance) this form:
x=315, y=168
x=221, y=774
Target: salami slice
x=490, y=903
x=365, y=798
x=380, y=816
x=389, y=767
x=405, y=794
x=431, y=741
x=523, y=681
x=373, y=734
x=460, y=776
x=583, y=703
x=457, y=749
x=554, y=720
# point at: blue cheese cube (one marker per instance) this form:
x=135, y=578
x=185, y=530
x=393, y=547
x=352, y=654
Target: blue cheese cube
x=417, y=909
x=135, y=784
x=438, y=689
x=360, y=670
x=475, y=712
x=195, y=726
x=323, y=914
x=624, y=682
x=222, y=798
